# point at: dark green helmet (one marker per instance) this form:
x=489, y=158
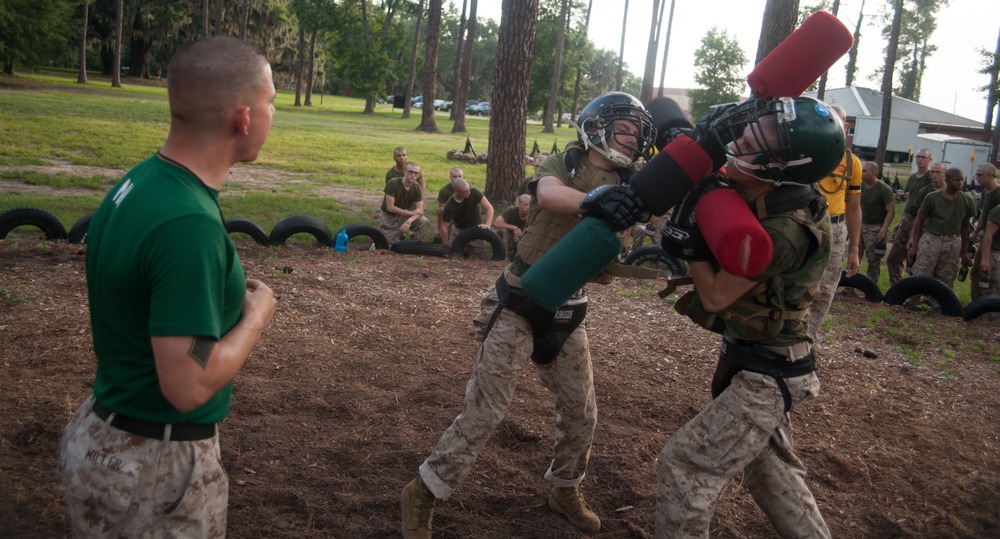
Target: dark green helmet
x=810, y=138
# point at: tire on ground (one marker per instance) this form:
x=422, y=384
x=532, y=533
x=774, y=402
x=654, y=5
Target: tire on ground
x=248, y=227
x=78, y=232
x=41, y=219
x=863, y=283
x=907, y=287
x=297, y=224
x=476, y=233
x=982, y=305
x=364, y=229
x=655, y=256
x=414, y=247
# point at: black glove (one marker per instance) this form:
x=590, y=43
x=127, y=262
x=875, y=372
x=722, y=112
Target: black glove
x=713, y=136
x=669, y=120
x=681, y=237
x=616, y=204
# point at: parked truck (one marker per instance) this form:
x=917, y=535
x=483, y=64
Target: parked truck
x=901, y=136
x=954, y=151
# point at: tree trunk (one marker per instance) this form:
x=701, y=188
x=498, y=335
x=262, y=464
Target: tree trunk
x=218, y=17
x=821, y=90
x=666, y=48
x=780, y=17
x=515, y=44
x=465, y=79
x=204, y=18
x=652, y=47
x=621, y=51
x=82, y=77
x=890, y=63
x=139, y=47
x=427, y=122
x=413, y=63
x=312, y=66
x=116, y=69
x=580, y=66
x=852, y=56
x=456, y=71
x=298, y=65
x=556, y=70
x=244, y=19
x=991, y=97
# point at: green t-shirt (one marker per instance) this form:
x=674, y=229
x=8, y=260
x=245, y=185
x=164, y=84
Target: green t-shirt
x=445, y=193
x=944, y=216
x=873, y=201
x=403, y=198
x=994, y=217
x=393, y=173
x=522, y=188
x=986, y=204
x=159, y=263
x=465, y=214
x=513, y=217
x=913, y=186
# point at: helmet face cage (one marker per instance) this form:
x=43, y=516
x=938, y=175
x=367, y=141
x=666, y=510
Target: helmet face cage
x=796, y=140
x=597, y=123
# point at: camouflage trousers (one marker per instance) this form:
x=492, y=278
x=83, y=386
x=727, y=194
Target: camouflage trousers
x=509, y=244
x=939, y=257
x=895, y=258
x=994, y=275
x=975, y=273
x=504, y=354
x=389, y=224
x=475, y=249
x=745, y=428
x=869, y=234
x=118, y=484
x=831, y=277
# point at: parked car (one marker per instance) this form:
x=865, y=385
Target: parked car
x=479, y=109
x=438, y=103
x=449, y=104
x=417, y=101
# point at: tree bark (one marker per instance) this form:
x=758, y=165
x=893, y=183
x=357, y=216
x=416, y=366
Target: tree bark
x=218, y=17
x=619, y=75
x=580, y=66
x=456, y=71
x=516, y=41
x=82, y=77
x=312, y=65
x=244, y=19
x=652, y=47
x=298, y=65
x=852, y=56
x=116, y=69
x=780, y=17
x=465, y=79
x=890, y=63
x=992, y=101
x=550, y=110
x=666, y=48
x=204, y=18
x=413, y=63
x=427, y=122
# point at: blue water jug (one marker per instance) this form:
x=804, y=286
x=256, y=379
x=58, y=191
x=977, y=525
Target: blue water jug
x=341, y=244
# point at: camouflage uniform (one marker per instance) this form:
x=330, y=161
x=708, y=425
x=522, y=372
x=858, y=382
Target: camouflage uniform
x=118, y=484
x=747, y=426
x=897, y=253
x=506, y=351
x=939, y=250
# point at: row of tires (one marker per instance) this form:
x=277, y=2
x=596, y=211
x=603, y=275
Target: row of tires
x=286, y=228
x=897, y=294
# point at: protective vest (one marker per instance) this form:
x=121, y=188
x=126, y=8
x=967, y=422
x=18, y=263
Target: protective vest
x=544, y=228
x=775, y=311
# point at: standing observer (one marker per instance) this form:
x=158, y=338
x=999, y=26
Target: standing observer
x=174, y=317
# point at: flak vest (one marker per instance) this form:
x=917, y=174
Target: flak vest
x=544, y=228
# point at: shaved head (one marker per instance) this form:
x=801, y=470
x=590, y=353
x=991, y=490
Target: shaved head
x=207, y=78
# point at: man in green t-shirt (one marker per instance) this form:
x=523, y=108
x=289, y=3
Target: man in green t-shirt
x=986, y=175
x=399, y=155
x=898, y=250
x=403, y=207
x=990, y=262
x=511, y=224
x=443, y=195
x=173, y=315
x=464, y=210
x=941, y=230
x=878, y=208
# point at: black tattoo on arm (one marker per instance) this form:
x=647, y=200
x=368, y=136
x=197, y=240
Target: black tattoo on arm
x=201, y=349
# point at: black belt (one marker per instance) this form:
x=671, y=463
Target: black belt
x=179, y=432
x=834, y=219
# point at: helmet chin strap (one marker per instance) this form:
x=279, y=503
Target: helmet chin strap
x=615, y=157
x=749, y=169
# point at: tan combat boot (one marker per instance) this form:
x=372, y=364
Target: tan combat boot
x=417, y=506
x=569, y=502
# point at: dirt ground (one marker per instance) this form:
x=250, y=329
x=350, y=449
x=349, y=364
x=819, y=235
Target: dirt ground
x=365, y=366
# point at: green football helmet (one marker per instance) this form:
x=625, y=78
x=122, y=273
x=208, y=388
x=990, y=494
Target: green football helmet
x=797, y=139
